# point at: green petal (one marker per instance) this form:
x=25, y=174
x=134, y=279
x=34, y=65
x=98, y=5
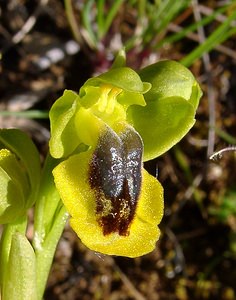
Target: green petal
x=63, y=139
x=89, y=95
x=88, y=126
x=129, y=98
x=124, y=78
x=72, y=182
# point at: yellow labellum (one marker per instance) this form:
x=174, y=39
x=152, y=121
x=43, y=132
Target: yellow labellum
x=72, y=182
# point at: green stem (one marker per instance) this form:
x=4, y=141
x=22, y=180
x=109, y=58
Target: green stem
x=29, y=114
x=5, y=245
x=44, y=256
x=72, y=21
x=50, y=218
x=109, y=18
x=91, y=35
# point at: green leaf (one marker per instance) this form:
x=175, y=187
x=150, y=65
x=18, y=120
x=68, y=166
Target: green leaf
x=20, y=278
x=5, y=243
x=14, y=187
x=63, y=134
x=22, y=146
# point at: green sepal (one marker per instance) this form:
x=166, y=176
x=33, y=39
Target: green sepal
x=120, y=59
x=196, y=95
x=14, y=187
x=168, y=79
x=20, y=277
x=63, y=139
x=162, y=124
x=21, y=145
x=171, y=106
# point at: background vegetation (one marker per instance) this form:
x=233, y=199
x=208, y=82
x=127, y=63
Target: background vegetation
x=50, y=45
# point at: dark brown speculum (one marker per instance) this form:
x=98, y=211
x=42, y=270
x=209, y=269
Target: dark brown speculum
x=115, y=177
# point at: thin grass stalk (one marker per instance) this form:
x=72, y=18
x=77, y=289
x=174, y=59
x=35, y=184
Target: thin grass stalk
x=222, y=33
x=92, y=38
x=185, y=31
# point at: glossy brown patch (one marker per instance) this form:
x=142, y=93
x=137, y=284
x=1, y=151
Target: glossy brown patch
x=115, y=176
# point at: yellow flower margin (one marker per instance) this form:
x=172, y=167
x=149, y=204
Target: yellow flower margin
x=72, y=181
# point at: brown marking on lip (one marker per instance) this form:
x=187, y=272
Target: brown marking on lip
x=115, y=177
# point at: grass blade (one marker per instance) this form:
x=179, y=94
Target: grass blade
x=222, y=33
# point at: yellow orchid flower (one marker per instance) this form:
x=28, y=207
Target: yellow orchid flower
x=102, y=136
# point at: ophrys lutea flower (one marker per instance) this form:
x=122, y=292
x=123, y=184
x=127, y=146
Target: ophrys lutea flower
x=115, y=205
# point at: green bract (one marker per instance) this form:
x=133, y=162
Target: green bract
x=19, y=174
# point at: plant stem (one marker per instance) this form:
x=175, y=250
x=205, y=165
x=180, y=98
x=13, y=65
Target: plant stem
x=44, y=256
x=50, y=218
x=72, y=21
